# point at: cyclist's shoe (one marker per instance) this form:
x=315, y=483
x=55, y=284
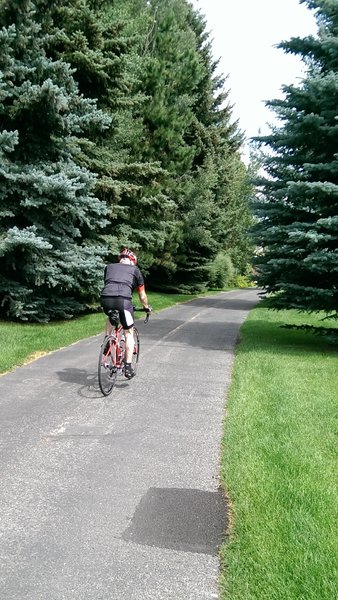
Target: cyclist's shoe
x=129, y=371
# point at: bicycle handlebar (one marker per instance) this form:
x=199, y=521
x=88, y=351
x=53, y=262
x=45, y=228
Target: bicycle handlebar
x=136, y=309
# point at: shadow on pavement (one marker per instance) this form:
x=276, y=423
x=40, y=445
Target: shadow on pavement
x=87, y=382
x=208, y=335
x=89, y=387
x=225, y=304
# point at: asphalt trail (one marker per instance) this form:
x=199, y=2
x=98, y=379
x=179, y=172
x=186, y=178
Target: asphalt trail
x=118, y=498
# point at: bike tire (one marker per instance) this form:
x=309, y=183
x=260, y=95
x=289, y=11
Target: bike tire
x=107, y=371
x=136, y=351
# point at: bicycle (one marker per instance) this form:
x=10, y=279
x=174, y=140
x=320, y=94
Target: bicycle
x=112, y=351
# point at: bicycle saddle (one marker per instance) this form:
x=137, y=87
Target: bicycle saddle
x=114, y=317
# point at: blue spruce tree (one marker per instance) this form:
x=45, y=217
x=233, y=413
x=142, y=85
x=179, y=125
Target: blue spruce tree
x=297, y=205
x=50, y=221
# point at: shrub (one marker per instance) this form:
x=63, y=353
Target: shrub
x=243, y=281
x=221, y=271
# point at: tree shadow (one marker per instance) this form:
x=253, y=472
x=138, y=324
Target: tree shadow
x=207, y=335
x=224, y=303
x=281, y=339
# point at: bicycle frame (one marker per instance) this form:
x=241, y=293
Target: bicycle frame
x=115, y=339
x=112, y=353
x=115, y=350
x=111, y=357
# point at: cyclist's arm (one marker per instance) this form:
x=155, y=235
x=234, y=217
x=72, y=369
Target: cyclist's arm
x=143, y=297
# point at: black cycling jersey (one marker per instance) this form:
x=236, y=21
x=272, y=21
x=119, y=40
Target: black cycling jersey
x=121, y=280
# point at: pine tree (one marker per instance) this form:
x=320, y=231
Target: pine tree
x=102, y=41
x=297, y=207
x=50, y=251
x=174, y=71
x=188, y=128
x=161, y=167
x=219, y=154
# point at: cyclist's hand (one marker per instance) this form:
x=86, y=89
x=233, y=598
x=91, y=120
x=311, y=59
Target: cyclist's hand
x=148, y=311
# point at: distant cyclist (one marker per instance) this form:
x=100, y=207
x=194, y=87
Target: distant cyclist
x=120, y=280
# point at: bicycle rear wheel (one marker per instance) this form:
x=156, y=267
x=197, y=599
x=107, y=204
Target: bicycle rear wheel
x=136, y=351
x=107, y=371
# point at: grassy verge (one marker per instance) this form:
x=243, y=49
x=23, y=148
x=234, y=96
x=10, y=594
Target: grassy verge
x=23, y=342
x=279, y=464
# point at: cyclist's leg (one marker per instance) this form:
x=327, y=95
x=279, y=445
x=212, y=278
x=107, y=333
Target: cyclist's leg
x=108, y=328
x=128, y=334
x=109, y=303
x=129, y=371
x=127, y=322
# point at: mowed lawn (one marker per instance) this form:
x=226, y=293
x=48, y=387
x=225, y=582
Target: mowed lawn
x=279, y=465
x=20, y=342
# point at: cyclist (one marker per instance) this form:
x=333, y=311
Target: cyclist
x=120, y=280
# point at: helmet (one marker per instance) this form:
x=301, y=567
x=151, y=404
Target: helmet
x=126, y=253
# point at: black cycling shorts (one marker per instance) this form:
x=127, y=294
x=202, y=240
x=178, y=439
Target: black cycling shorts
x=123, y=305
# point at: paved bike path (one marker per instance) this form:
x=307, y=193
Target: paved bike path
x=118, y=498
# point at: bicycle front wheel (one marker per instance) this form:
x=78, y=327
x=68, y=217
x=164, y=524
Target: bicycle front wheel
x=136, y=351
x=107, y=371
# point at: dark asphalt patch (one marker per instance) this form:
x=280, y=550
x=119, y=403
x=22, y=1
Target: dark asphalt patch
x=188, y=520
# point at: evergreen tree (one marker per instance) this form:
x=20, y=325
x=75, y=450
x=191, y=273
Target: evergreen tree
x=188, y=127
x=102, y=41
x=219, y=156
x=170, y=66
x=216, y=206
x=50, y=251
x=297, y=205
x=165, y=173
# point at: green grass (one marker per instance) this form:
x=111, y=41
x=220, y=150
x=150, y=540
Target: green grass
x=22, y=342
x=279, y=463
